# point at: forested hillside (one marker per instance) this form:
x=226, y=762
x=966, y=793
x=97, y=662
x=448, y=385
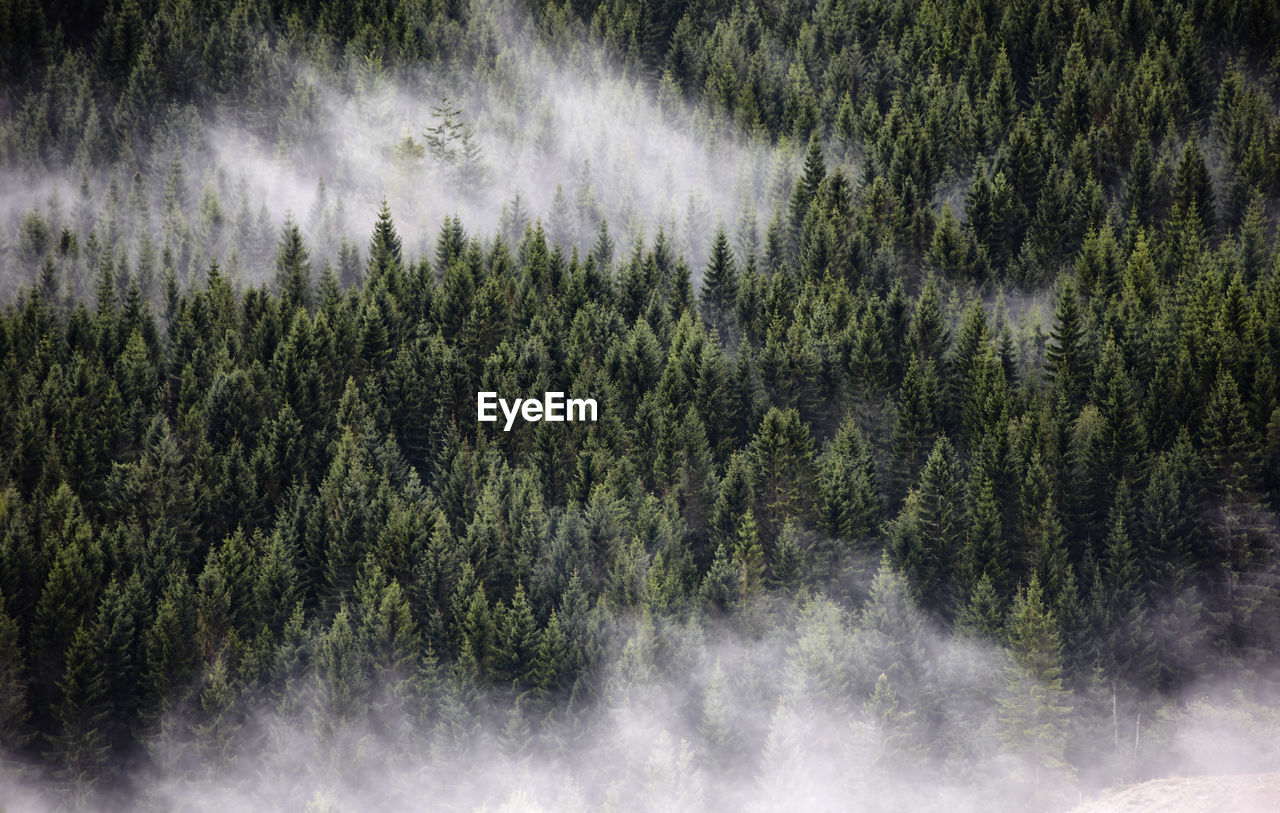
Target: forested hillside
x=935, y=346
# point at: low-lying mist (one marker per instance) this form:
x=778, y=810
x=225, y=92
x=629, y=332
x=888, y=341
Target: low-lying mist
x=803, y=703
x=572, y=144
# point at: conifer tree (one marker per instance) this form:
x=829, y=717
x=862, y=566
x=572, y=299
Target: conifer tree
x=14, y=709
x=848, y=492
x=929, y=335
x=985, y=554
x=292, y=269
x=926, y=538
x=1228, y=441
x=80, y=747
x=1034, y=705
x=782, y=463
x=720, y=285
x=1193, y=188
x=916, y=428
x=981, y=616
x=806, y=191
x=1066, y=358
x=748, y=557
x=1128, y=657
x=517, y=641
x=169, y=643
x=227, y=487
x=722, y=587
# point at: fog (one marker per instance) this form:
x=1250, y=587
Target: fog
x=571, y=143
x=808, y=702
x=574, y=150
x=811, y=705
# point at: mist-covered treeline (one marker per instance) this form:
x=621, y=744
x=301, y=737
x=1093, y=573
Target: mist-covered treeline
x=935, y=347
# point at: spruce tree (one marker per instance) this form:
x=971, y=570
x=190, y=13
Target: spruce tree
x=805, y=192
x=927, y=535
x=720, y=285
x=1067, y=358
x=916, y=427
x=1193, y=188
x=292, y=269
x=1034, y=706
x=79, y=745
x=848, y=491
x=14, y=709
x=782, y=470
x=929, y=335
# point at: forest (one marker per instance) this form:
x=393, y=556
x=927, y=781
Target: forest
x=937, y=461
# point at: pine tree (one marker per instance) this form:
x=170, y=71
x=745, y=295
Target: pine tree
x=951, y=253
x=720, y=285
x=721, y=587
x=1034, y=706
x=70, y=591
x=787, y=568
x=340, y=666
x=783, y=466
x=602, y=251
x=517, y=641
x=929, y=336
x=1128, y=656
x=386, y=263
x=805, y=192
x=1193, y=188
x=985, y=553
x=716, y=728
x=452, y=142
x=1140, y=192
x=916, y=428
x=169, y=642
x=982, y=616
x=1122, y=444
x=848, y=492
x=553, y=659
x=79, y=746
x=14, y=709
x=892, y=628
x=1066, y=358
x=1228, y=441
x=748, y=558
x=926, y=537
x=292, y=269
x=967, y=351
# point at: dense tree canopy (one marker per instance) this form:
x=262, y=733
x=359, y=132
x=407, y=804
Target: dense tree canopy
x=1003, y=361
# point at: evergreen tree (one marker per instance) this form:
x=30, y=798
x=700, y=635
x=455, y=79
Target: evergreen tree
x=848, y=488
x=292, y=269
x=1228, y=441
x=14, y=710
x=748, y=557
x=720, y=285
x=805, y=192
x=79, y=746
x=227, y=487
x=916, y=428
x=1193, y=188
x=926, y=538
x=1067, y=357
x=929, y=337
x=782, y=463
x=1034, y=705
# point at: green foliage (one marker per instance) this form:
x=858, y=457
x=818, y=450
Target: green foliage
x=241, y=466
x=452, y=142
x=1034, y=707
